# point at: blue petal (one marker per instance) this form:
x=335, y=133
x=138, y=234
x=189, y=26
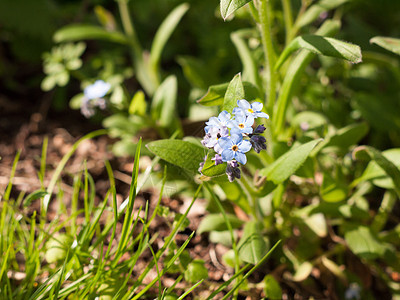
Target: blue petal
x=225, y=142
x=261, y=115
x=236, y=138
x=244, y=146
x=240, y=157
x=227, y=155
x=237, y=110
x=249, y=121
x=243, y=104
x=256, y=106
x=240, y=117
x=247, y=130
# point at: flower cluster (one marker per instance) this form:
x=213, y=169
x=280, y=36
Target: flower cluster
x=94, y=94
x=231, y=136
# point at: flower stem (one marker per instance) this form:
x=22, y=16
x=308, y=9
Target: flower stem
x=264, y=13
x=288, y=18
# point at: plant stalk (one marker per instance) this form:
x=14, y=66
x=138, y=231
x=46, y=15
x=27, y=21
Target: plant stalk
x=265, y=16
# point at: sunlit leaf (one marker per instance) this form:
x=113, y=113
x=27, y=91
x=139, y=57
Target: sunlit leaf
x=388, y=43
x=230, y=6
x=88, y=32
x=183, y=154
x=234, y=92
x=323, y=46
x=215, y=222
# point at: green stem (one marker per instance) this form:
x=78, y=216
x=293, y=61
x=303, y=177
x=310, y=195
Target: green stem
x=288, y=18
x=141, y=68
x=228, y=224
x=129, y=28
x=264, y=13
x=250, y=193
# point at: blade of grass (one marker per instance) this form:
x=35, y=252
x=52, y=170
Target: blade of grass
x=6, y=196
x=190, y=290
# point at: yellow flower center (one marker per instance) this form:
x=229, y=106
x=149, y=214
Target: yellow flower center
x=241, y=125
x=235, y=148
x=250, y=110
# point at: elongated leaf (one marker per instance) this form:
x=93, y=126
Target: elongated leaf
x=183, y=154
x=378, y=176
x=234, y=93
x=313, y=13
x=165, y=31
x=252, y=246
x=370, y=153
x=163, y=106
x=323, y=46
x=250, y=68
x=216, y=93
x=73, y=33
x=293, y=75
x=363, y=243
x=388, y=43
x=214, y=222
x=344, y=138
x=230, y=6
x=288, y=163
x=196, y=72
x=34, y=196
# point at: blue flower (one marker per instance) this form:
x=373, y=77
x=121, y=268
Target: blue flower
x=222, y=120
x=96, y=90
x=241, y=123
x=253, y=109
x=211, y=138
x=94, y=94
x=234, y=147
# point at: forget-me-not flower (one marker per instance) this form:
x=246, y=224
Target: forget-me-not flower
x=214, y=134
x=93, y=97
x=241, y=123
x=96, y=90
x=253, y=109
x=221, y=121
x=234, y=147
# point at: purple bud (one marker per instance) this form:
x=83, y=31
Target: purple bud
x=259, y=129
x=218, y=159
x=258, y=143
x=234, y=163
x=201, y=165
x=232, y=172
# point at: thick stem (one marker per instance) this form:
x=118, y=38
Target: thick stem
x=288, y=18
x=265, y=12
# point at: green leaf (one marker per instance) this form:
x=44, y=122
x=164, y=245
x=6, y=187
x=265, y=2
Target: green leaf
x=34, y=196
x=313, y=13
x=234, y=92
x=288, y=163
x=271, y=288
x=249, y=63
x=369, y=153
x=363, y=243
x=388, y=43
x=293, y=75
x=230, y=6
x=164, y=32
x=88, y=32
x=163, y=106
x=195, y=71
x=183, y=154
x=216, y=93
x=196, y=271
x=138, y=104
x=252, y=246
x=303, y=271
x=212, y=170
x=323, y=46
x=333, y=190
x=345, y=137
x=214, y=222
